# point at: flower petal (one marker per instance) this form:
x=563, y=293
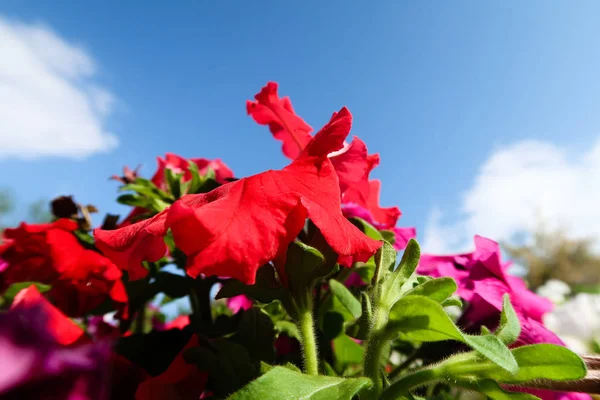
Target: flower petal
x=64, y=330
x=127, y=247
x=278, y=114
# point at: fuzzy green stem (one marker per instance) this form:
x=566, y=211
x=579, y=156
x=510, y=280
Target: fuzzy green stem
x=373, y=362
x=451, y=369
x=375, y=344
x=405, y=364
x=401, y=387
x=306, y=326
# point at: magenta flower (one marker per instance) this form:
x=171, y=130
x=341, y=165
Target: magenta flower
x=237, y=303
x=482, y=277
x=35, y=366
x=483, y=280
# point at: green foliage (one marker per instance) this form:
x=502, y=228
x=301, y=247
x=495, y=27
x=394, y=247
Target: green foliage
x=264, y=289
x=200, y=183
x=542, y=361
x=228, y=364
x=419, y=318
x=347, y=353
x=173, y=182
x=304, y=265
x=345, y=297
x=392, y=281
x=145, y=195
x=6, y=201
x=554, y=255
x=493, y=390
x=10, y=293
x=436, y=289
x=256, y=332
x=509, y=329
x=398, y=307
x=367, y=228
x=283, y=383
x=360, y=328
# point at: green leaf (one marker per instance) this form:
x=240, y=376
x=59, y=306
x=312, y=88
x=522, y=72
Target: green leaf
x=134, y=200
x=388, y=236
x=264, y=289
x=345, y=297
x=510, y=328
x=436, y=289
x=196, y=181
x=385, y=257
x=346, y=352
x=174, y=286
x=410, y=259
x=366, y=228
x=421, y=319
x=257, y=333
x=173, y=182
x=391, y=286
x=332, y=324
x=145, y=187
x=136, y=347
x=494, y=350
x=360, y=328
x=304, y=264
x=327, y=369
x=493, y=391
x=15, y=288
x=289, y=328
x=201, y=183
x=228, y=364
x=85, y=238
x=543, y=361
x=292, y=367
x=452, y=301
x=366, y=271
x=282, y=383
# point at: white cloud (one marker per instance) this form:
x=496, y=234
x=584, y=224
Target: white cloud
x=520, y=186
x=49, y=102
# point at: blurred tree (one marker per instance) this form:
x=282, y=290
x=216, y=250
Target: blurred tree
x=554, y=255
x=39, y=212
x=6, y=206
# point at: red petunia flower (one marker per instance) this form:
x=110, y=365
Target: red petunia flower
x=178, y=164
x=28, y=253
x=87, y=278
x=44, y=355
x=81, y=278
x=385, y=217
x=352, y=162
x=240, y=226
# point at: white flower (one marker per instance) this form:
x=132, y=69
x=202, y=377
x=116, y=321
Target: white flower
x=554, y=290
x=577, y=322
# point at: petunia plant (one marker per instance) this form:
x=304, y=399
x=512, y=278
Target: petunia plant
x=287, y=284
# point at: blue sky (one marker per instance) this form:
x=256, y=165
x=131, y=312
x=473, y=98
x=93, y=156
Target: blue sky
x=451, y=94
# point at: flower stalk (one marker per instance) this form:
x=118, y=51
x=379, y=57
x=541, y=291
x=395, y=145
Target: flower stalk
x=306, y=326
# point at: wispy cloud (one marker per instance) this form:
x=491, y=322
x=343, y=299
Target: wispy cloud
x=50, y=104
x=520, y=186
